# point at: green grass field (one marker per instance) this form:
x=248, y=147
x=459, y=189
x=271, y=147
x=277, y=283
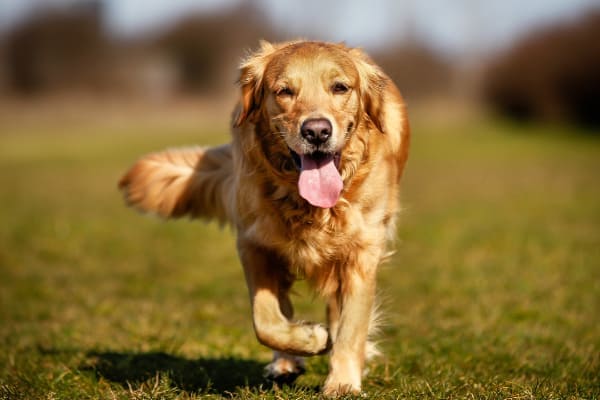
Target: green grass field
x=494, y=292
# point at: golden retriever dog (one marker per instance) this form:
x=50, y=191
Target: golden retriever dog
x=310, y=183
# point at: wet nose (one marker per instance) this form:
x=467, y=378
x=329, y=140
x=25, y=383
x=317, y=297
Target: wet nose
x=316, y=130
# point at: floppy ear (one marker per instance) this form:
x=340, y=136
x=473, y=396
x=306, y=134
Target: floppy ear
x=250, y=81
x=372, y=87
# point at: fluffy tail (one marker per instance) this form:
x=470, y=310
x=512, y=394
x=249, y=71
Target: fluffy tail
x=194, y=182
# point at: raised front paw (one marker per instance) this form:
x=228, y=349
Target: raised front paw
x=317, y=338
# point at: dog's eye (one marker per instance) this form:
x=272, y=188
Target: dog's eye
x=284, y=91
x=339, y=88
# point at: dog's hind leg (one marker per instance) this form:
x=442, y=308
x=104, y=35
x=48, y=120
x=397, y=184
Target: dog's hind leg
x=267, y=278
x=333, y=315
x=284, y=368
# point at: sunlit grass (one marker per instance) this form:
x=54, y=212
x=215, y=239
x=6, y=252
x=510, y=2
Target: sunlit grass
x=494, y=291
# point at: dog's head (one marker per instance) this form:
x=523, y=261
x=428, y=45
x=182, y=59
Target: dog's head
x=309, y=99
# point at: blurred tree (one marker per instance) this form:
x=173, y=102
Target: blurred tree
x=206, y=48
x=551, y=75
x=56, y=49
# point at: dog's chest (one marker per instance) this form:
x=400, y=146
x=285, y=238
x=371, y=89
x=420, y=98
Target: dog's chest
x=312, y=239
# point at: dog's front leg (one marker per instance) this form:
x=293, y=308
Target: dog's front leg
x=268, y=281
x=285, y=368
x=348, y=354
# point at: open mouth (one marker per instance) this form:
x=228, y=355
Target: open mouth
x=319, y=158
x=320, y=182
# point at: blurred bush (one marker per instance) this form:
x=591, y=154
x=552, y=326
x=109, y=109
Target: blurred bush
x=550, y=75
x=418, y=71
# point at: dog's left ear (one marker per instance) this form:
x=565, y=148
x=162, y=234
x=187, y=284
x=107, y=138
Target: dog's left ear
x=250, y=81
x=372, y=87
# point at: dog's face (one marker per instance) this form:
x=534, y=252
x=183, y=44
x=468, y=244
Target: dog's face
x=311, y=98
x=308, y=100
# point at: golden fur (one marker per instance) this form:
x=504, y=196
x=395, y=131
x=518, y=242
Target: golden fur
x=252, y=183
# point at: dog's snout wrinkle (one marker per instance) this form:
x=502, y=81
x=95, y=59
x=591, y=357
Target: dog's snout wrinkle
x=316, y=130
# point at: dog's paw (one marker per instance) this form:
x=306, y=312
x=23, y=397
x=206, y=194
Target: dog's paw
x=344, y=377
x=334, y=389
x=319, y=335
x=285, y=368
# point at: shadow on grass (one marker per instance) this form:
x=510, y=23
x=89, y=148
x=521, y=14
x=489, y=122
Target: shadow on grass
x=214, y=375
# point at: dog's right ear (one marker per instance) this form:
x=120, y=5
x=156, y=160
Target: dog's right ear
x=251, y=77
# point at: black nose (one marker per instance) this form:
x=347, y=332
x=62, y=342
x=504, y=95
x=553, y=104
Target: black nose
x=316, y=130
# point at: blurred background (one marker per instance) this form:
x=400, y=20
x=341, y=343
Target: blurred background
x=535, y=60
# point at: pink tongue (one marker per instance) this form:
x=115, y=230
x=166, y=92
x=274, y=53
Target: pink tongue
x=320, y=182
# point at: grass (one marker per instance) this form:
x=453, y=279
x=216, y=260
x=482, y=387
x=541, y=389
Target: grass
x=494, y=292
